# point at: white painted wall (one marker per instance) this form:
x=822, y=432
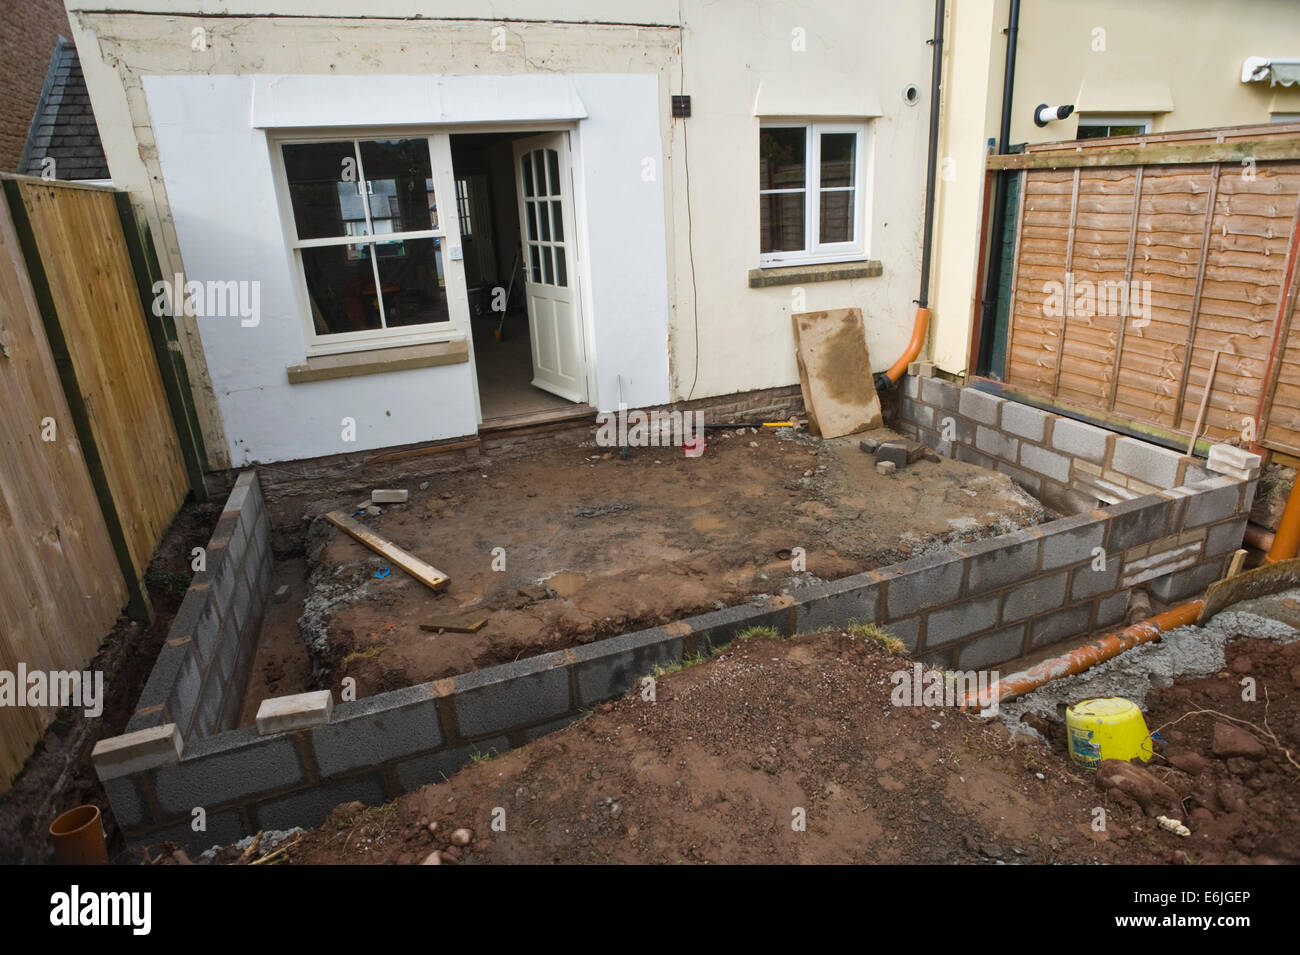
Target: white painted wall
x=646, y=311
x=217, y=167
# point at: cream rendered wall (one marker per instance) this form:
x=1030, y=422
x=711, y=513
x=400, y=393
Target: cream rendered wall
x=1182, y=57
x=828, y=60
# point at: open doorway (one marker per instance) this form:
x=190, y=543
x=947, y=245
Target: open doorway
x=515, y=209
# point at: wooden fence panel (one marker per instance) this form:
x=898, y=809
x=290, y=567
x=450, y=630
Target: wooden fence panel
x=61, y=587
x=79, y=236
x=1211, y=241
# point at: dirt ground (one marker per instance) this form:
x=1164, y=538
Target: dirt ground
x=573, y=544
x=714, y=770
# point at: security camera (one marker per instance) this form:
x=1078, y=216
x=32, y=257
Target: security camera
x=1044, y=114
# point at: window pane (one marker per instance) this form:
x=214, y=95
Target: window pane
x=341, y=288
x=557, y=217
x=325, y=203
x=526, y=167
x=1093, y=132
x=837, y=162
x=537, y=263
x=540, y=167
x=561, y=270
x=410, y=279
x=544, y=220
x=781, y=221
x=836, y=216
x=781, y=158
x=553, y=161
x=530, y=209
x=399, y=180
x=548, y=274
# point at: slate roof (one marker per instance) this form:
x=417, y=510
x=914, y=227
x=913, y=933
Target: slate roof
x=64, y=125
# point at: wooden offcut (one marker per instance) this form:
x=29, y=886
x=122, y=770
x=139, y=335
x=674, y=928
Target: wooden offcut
x=424, y=572
x=462, y=623
x=835, y=372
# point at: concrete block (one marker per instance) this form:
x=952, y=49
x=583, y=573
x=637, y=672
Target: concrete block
x=1235, y=459
x=230, y=767
x=1157, y=565
x=310, y=807
x=1053, y=465
x=388, y=495
x=1064, y=624
x=1024, y=421
x=1111, y=610
x=932, y=440
x=907, y=631
x=924, y=582
x=940, y=393
x=718, y=628
x=1146, y=462
x=499, y=698
x=441, y=766
x=970, y=456
x=1224, y=538
x=916, y=413
x=554, y=726
x=279, y=714
x=1217, y=502
x=1087, y=582
x=997, y=444
x=222, y=828
x=836, y=603
x=1030, y=482
x=1081, y=440
x=1139, y=521
x=379, y=728
x=1000, y=561
x=119, y=756
x=1071, y=540
x=1034, y=597
x=609, y=668
x=207, y=715
x=992, y=648
x=921, y=369
x=960, y=620
x=980, y=406
x=911, y=386
x=1185, y=583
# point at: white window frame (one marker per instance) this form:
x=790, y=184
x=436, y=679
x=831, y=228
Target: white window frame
x=1116, y=119
x=447, y=230
x=815, y=251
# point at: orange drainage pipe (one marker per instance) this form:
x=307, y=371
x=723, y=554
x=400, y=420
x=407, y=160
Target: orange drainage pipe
x=920, y=326
x=1088, y=655
x=1286, y=540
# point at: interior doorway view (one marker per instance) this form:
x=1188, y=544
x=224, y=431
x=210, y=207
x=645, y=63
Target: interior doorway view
x=515, y=207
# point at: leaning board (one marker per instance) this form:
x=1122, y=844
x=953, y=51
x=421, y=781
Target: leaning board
x=835, y=372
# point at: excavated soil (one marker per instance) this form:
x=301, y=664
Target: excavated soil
x=573, y=544
x=715, y=768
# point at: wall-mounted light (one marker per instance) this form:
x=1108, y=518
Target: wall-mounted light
x=1045, y=114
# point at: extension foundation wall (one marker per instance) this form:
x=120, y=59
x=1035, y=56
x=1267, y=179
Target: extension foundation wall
x=198, y=680
x=965, y=607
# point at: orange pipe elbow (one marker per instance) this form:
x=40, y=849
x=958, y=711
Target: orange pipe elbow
x=919, y=329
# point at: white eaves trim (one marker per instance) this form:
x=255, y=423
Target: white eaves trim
x=1284, y=70
x=291, y=102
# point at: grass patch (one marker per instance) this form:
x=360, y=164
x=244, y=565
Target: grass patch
x=360, y=656
x=881, y=638
x=481, y=756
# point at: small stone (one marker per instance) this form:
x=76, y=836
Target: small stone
x=1242, y=665
x=432, y=827
x=1232, y=741
x=281, y=593
x=753, y=444
x=869, y=445
x=450, y=854
x=433, y=858
x=886, y=467
x=461, y=837
x=1193, y=764
x=424, y=485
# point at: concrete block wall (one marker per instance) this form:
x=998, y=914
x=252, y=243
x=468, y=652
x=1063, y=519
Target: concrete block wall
x=197, y=682
x=1069, y=465
x=971, y=606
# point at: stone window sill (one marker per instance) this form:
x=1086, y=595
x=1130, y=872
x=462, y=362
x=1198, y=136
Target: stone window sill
x=376, y=361
x=803, y=274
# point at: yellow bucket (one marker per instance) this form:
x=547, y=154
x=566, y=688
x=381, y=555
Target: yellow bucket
x=1110, y=728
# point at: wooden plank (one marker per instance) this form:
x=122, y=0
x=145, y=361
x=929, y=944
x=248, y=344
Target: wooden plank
x=1128, y=279
x=463, y=623
x=1196, y=295
x=1235, y=152
x=1069, y=262
x=425, y=573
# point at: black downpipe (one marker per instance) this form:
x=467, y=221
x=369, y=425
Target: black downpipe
x=931, y=166
x=988, y=316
